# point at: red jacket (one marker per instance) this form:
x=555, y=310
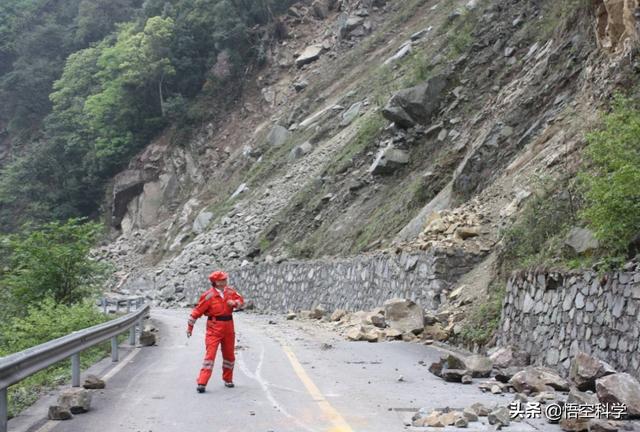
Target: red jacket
x=212, y=304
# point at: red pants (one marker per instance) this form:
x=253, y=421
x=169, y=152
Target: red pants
x=219, y=333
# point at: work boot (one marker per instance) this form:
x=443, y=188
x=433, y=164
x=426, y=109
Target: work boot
x=200, y=388
x=229, y=384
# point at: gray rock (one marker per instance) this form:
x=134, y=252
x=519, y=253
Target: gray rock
x=350, y=115
x=404, y=315
x=585, y=370
x=57, y=412
x=320, y=9
x=500, y=417
x=505, y=357
x=416, y=104
x=92, y=382
x=202, y=221
x=402, y=52
x=291, y=316
x=241, y=189
x=581, y=240
x=453, y=375
x=538, y=379
x=338, y=314
x=620, y=388
x=317, y=312
x=309, y=55
x=76, y=400
x=147, y=338
x=300, y=85
x=503, y=375
x=278, y=136
x=598, y=425
x=350, y=24
x=479, y=366
x=467, y=379
x=300, y=150
x=388, y=161
x=480, y=409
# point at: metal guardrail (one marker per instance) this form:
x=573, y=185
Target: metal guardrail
x=18, y=366
x=125, y=303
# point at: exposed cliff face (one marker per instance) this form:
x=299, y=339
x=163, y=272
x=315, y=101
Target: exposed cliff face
x=309, y=165
x=617, y=24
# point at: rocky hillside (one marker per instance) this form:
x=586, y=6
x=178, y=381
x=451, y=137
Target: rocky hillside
x=401, y=126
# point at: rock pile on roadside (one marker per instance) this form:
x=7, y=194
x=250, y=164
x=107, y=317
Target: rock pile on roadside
x=396, y=319
x=592, y=383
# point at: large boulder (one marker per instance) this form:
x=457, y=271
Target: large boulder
x=202, y=221
x=416, y=104
x=57, y=412
x=300, y=150
x=620, y=388
x=389, y=160
x=585, y=370
x=538, y=379
x=508, y=356
x=278, y=136
x=92, y=382
x=581, y=241
x=349, y=24
x=76, y=400
x=404, y=315
x=309, y=55
x=479, y=366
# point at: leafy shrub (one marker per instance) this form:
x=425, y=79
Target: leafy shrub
x=535, y=236
x=51, y=262
x=45, y=321
x=484, y=318
x=611, y=180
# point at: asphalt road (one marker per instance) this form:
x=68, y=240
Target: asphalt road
x=286, y=381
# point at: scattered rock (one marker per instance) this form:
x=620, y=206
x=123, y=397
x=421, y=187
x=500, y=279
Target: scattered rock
x=389, y=160
x=57, y=412
x=278, y=136
x=338, y=314
x=585, y=370
x=480, y=409
x=350, y=115
x=309, y=55
x=300, y=150
x=598, y=425
x=92, y=382
x=76, y=400
x=291, y=316
x=404, y=315
x=538, y=379
x=147, y=337
x=415, y=105
x=574, y=425
x=499, y=417
x=467, y=379
x=453, y=375
x=317, y=312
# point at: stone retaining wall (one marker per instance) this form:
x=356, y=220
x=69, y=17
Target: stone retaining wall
x=356, y=283
x=554, y=315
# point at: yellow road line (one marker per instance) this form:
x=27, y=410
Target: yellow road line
x=338, y=422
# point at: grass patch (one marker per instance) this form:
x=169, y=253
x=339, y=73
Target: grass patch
x=460, y=35
x=369, y=127
x=484, y=317
x=537, y=237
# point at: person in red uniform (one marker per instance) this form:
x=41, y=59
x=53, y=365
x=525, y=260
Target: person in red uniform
x=218, y=304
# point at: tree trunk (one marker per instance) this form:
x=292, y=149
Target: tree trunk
x=160, y=94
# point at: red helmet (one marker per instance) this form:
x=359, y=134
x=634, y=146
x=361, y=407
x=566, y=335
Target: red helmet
x=217, y=276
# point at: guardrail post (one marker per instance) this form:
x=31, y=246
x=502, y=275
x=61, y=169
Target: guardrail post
x=4, y=412
x=104, y=305
x=118, y=306
x=114, y=348
x=128, y=305
x=132, y=335
x=75, y=370
x=139, y=302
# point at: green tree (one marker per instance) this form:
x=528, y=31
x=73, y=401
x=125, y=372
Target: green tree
x=612, y=178
x=52, y=262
